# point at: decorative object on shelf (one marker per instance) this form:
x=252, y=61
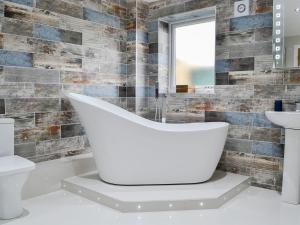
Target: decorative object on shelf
x=182, y=88
x=278, y=106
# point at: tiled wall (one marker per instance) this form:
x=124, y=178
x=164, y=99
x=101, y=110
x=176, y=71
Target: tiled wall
x=246, y=86
x=52, y=45
x=117, y=50
x=140, y=83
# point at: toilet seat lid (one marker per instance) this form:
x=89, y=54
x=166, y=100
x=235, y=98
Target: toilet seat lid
x=14, y=164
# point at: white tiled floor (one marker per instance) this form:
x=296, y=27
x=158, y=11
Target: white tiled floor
x=254, y=206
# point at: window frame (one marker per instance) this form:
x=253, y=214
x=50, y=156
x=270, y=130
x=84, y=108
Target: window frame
x=172, y=44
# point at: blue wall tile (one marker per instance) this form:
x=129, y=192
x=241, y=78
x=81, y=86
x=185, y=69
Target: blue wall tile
x=131, y=35
x=22, y=59
x=151, y=91
x=222, y=66
x=101, y=91
x=153, y=58
x=22, y=2
x=100, y=17
x=238, y=118
x=141, y=36
x=260, y=120
x=46, y=32
x=158, y=59
x=251, y=22
x=56, y=34
x=145, y=92
x=123, y=69
x=152, y=26
x=163, y=59
x=268, y=149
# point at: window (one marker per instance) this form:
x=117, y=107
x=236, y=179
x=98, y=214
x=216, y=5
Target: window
x=193, y=53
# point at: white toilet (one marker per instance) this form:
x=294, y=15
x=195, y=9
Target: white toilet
x=14, y=171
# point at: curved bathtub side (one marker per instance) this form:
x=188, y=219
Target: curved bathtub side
x=129, y=153
x=133, y=118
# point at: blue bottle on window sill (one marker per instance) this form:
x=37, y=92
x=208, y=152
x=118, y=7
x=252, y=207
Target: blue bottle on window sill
x=278, y=106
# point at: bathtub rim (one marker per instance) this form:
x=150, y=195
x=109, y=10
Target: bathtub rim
x=129, y=116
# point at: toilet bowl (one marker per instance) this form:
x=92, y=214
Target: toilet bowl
x=14, y=171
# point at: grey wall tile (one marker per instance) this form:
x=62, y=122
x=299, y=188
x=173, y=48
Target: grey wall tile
x=17, y=12
x=235, y=38
x=16, y=90
x=264, y=34
x=266, y=134
x=22, y=105
x=238, y=145
x=17, y=74
x=26, y=150
x=61, y=6
x=2, y=106
x=57, y=63
x=72, y=130
x=22, y=121
x=17, y=27
x=55, y=118
x=28, y=14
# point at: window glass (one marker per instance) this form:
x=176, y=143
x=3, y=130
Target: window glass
x=194, y=53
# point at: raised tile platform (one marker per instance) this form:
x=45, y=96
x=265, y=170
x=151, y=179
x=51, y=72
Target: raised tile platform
x=209, y=195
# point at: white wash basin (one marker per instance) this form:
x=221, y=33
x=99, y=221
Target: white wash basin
x=291, y=171
x=285, y=119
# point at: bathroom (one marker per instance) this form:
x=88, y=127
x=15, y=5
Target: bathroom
x=122, y=52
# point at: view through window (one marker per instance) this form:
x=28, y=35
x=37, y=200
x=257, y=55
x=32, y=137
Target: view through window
x=194, y=53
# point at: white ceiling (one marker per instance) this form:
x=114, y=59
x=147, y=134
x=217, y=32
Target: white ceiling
x=291, y=17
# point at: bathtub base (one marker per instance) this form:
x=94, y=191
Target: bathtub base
x=209, y=195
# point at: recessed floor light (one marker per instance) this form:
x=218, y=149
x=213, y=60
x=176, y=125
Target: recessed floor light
x=297, y=10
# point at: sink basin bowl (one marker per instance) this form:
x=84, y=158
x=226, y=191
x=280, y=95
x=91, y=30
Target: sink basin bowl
x=289, y=120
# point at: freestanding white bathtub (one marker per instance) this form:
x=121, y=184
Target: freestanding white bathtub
x=131, y=150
